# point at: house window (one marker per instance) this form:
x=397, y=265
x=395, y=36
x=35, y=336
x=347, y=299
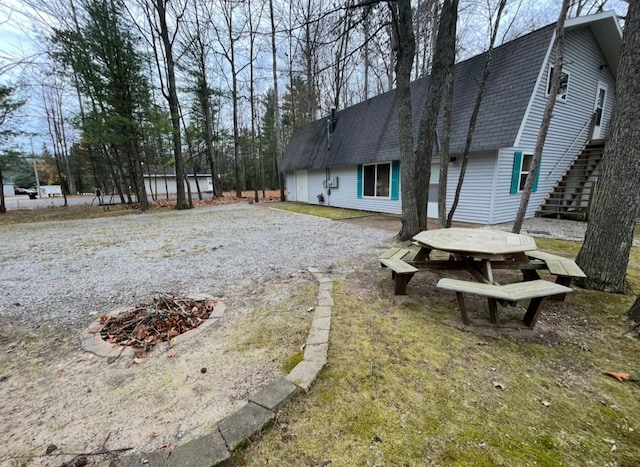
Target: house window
x=521, y=168
x=524, y=170
x=376, y=180
x=564, y=85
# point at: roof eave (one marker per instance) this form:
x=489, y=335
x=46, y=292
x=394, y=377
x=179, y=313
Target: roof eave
x=607, y=31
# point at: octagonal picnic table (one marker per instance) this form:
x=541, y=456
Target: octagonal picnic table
x=479, y=252
x=483, y=244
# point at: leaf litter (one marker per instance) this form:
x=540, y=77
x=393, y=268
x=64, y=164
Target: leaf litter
x=160, y=320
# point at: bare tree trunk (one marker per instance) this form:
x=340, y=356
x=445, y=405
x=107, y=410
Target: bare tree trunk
x=604, y=255
x=3, y=207
x=276, y=107
x=443, y=59
x=367, y=64
x=546, y=118
x=474, y=114
x=634, y=311
x=252, y=101
x=404, y=44
x=445, y=153
x=172, y=99
x=207, y=109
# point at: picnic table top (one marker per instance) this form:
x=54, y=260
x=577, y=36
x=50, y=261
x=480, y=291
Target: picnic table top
x=482, y=241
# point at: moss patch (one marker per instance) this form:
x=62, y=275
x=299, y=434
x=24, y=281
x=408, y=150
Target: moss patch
x=291, y=361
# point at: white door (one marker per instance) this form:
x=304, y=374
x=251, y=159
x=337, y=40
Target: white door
x=598, y=111
x=302, y=186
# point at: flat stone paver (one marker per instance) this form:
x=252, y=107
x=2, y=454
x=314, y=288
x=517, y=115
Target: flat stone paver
x=325, y=302
x=322, y=311
x=316, y=353
x=325, y=294
x=321, y=323
x=318, y=336
x=305, y=373
x=275, y=395
x=206, y=451
x=246, y=422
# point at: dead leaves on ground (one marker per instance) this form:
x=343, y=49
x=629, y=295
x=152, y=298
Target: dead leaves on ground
x=622, y=377
x=161, y=320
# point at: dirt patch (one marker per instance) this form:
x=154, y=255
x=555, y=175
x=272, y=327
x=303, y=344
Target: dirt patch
x=54, y=393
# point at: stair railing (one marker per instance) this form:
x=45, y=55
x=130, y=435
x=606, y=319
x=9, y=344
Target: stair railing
x=570, y=149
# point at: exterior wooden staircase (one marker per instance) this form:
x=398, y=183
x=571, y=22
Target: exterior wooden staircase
x=571, y=197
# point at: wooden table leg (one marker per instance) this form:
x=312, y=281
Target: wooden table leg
x=401, y=281
x=422, y=254
x=533, y=310
x=527, y=274
x=494, y=315
x=486, y=264
x=562, y=280
x=463, y=309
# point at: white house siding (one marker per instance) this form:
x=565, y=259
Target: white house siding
x=582, y=61
x=346, y=195
x=476, y=197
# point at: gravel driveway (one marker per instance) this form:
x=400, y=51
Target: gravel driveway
x=63, y=273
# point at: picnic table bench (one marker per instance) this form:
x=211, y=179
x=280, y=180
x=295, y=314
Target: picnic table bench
x=564, y=269
x=401, y=272
x=536, y=291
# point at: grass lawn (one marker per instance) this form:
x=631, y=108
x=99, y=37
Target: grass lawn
x=405, y=384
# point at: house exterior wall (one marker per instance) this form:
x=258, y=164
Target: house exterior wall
x=346, y=195
x=570, y=127
x=478, y=190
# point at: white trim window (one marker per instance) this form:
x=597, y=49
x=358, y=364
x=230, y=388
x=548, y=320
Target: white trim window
x=525, y=168
x=564, y=85
x=376, y=180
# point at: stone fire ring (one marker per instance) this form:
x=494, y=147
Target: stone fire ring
x=92, y=341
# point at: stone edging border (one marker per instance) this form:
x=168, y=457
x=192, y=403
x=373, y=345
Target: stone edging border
x=261, y=408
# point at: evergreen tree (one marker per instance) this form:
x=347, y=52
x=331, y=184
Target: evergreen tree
x=9, y=105
x=102, y=55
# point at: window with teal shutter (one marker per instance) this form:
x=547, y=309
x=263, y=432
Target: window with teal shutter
x=522, y=164
x=395, y=179
x=534, y=188
x=360, y=181
x=515, y=174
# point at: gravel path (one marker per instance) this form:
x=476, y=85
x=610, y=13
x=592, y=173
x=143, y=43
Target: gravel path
x=64, y=272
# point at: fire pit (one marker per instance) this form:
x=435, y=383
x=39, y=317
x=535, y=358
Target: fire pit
x=159, y=323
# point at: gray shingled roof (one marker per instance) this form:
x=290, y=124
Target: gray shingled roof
x=368, y=132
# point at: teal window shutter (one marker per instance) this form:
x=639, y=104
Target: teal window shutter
x=515, y=174
x=534, y=188
x=395, y=179
x=360, y=181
